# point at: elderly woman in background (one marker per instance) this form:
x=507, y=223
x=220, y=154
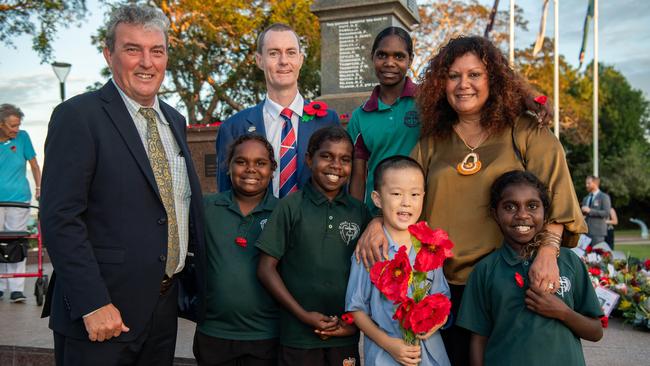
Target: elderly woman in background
x=15, y=150
x=475, y=127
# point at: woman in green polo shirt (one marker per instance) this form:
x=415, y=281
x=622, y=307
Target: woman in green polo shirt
x=387, y=124
x=241, y=325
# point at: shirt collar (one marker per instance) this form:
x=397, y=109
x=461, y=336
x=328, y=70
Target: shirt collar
x=274, y=108
x=392, y=244
x=319, y=198
x=228, y=200
x=134, y=107
x=372, y=104
x=510, y=255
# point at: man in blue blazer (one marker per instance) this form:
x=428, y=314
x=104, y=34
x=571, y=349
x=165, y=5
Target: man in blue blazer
x=121, y=211
x=280, y=57
x=595, y=207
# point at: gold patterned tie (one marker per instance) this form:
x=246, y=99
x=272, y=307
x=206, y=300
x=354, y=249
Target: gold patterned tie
x=160, y=166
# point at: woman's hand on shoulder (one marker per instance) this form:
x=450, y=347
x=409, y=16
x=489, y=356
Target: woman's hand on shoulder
x=373, y=245
x=544, y=273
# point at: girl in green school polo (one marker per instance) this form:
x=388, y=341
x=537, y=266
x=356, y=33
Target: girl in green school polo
x=241, y=325
x=387, y=124
x=513, y=323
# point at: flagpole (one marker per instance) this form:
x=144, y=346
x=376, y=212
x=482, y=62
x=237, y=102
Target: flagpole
x=511, y=54
x=556, y=71
x=595, y=128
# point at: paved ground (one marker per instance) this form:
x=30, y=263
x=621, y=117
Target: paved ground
x=22, y=326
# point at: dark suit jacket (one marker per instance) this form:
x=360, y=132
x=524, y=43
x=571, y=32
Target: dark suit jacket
x=251, y=120
x=102, y=219
x=598, y=214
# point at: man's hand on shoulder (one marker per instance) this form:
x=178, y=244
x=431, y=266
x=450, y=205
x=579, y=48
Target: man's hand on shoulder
x=104, y=323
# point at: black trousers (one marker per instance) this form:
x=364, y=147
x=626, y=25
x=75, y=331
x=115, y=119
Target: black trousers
x=154, y=346
x=330, y=356
x=456, y=339
x=212, y=351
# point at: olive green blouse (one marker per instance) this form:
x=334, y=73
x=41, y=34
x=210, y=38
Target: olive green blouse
x=460, y=204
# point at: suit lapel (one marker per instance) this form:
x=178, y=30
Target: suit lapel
x=120, y=117
x=255, y=120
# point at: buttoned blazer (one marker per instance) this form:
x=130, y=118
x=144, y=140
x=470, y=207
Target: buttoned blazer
x=597, y=216
x=251, y=120
x=103, y=221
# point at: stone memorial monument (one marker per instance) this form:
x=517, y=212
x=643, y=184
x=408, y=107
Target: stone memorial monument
x=201, y=141
x=348, y=28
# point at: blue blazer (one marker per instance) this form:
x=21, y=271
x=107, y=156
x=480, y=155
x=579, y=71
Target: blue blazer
x=102, y=218
x=251, y=120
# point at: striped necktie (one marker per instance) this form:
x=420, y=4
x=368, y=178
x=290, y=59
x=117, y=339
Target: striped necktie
x=162, y=174
x=288, y=156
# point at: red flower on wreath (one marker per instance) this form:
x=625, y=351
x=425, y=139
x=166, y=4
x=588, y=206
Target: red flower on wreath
x=392, y=277
x=519, y=280
x=347, y=318
x=241, y=241
x=594, y=271
x=436, y=247
x=429, y=312
x=588, y=249
x=646, y=264
x=541, y=99
x=316, y=108
x=402, y=311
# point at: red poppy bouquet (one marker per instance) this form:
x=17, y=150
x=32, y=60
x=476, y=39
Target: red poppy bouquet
x=420, y=312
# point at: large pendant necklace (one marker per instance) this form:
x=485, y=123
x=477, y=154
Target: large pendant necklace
x=471, y=164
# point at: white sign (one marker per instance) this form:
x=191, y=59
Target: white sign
x=607, y=298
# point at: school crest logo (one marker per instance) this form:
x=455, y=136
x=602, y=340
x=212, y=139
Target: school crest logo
x=565, y=286
x=263, y=222
x=349, y=231
x=411, y=119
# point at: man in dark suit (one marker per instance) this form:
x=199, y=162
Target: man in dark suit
x=283, y=117
x=121, y=207
x=595, y=207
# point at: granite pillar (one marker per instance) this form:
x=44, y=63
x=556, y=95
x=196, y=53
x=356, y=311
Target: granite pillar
x=201, y=141
x=348, y=29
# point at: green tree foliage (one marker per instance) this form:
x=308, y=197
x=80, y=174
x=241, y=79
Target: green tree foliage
x=441, y=20
x=624, y=124
x=39, y=19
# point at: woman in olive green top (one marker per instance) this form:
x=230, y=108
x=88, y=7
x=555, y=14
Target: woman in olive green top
x=241, y=325
x=475, y=127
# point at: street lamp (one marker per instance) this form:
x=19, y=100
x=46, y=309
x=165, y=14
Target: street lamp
x=61, y=69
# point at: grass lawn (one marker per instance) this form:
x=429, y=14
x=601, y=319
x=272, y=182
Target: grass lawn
x=639, y=251
x=628, y=232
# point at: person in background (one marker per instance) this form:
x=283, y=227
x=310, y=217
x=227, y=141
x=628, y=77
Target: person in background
x=596, y=206
x=611, y=222
x=387, y=124
x=284, y=118
x=15, y=151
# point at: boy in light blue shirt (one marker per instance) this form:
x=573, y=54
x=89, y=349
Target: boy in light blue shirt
x=399, y=193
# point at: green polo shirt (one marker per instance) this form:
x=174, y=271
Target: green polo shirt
x=493, y=306
x=380, y=130
x=238, y=306
x=314, y=238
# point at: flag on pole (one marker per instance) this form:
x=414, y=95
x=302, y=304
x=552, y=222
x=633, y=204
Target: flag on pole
x=490, y=24
x=585, y=31
x=539, y=42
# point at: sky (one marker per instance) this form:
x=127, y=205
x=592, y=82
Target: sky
x=33, y=87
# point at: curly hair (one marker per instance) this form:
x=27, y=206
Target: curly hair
x=507, y=90
x=252, y=137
